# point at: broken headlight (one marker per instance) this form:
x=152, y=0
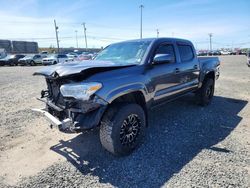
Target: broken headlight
x=81, y=91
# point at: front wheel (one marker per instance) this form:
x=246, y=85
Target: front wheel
x=122, y=128
x=206, y=92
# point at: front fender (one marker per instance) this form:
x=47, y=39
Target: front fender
x=125, y=89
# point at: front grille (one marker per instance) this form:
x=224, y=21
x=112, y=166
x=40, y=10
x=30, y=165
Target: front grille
x=54, y=92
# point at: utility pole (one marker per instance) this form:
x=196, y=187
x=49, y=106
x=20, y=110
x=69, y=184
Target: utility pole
x=141, y=7
x=210, y=40
x=57, y=41
x=76, y=39
x=157, y=32
x=84, y=29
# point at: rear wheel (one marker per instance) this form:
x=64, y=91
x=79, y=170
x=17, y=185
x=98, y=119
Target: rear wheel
x=122, y=128
x=206, y=92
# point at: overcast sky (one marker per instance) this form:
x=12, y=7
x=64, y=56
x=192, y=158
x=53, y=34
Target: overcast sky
x=110, y=21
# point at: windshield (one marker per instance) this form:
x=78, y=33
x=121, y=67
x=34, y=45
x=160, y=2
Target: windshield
x=125, y=52
x=52, y=56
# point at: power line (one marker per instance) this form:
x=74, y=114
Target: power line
x=113, y=27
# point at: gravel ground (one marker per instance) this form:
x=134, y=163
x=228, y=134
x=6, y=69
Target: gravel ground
x=186, y=145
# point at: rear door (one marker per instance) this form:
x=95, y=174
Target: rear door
x=189, y=68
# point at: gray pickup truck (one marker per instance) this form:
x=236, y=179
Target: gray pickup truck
x=125, y=80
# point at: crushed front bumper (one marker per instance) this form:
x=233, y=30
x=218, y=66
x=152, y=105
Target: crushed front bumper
x=61, y=125
x=87, y=116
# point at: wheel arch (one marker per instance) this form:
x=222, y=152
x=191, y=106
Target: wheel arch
x=131, y=96
x=206, y=75
x=210, y=74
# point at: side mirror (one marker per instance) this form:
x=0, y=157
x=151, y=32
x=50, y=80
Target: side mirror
x=162, y=58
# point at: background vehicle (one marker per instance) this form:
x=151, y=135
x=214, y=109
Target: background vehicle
x=202, y=53
x=223, y=52
x=11, y=59
x=248, y=59
x=118, y=88
x=30, y=60
x=214, y=52
x=44, y=53
x=54, y=59
x=85, y=56
x=72, y=56
x=3, y=53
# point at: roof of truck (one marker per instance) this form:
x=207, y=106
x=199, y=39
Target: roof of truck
x=158, y=39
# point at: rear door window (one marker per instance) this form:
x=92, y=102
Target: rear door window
x=186, y=52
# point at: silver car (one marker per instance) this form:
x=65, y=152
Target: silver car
x=54, y=59
x=31, y=60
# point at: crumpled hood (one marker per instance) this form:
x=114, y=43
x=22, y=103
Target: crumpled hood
x=76, y=67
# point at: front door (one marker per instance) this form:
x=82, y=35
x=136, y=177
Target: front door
x=164, y=77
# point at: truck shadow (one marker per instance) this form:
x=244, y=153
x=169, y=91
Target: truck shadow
x=177, y=132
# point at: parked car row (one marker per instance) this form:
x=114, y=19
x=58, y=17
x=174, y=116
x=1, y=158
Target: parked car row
x=11, y=60
x=43, y=59
x=219, y=52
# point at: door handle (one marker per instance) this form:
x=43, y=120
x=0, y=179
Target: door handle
x=195, y=66
x=177, y=70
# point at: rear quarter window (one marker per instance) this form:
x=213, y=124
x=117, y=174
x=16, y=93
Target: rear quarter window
x=186, y=52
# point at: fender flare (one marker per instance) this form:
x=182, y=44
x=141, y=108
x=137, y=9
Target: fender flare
x=204, y=74
x=114, y=94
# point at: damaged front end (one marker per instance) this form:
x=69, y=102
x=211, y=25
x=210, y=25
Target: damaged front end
x=71, y=101
x=72, y=106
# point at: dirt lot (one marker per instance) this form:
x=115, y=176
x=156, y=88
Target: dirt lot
x=186, y=145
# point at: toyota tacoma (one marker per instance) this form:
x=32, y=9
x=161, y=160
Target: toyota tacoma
x=116, y=89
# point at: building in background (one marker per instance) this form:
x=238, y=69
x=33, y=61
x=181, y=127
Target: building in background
x=19, y=46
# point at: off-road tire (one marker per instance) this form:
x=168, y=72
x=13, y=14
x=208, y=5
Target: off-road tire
x=205, y=94
x=111, y=125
